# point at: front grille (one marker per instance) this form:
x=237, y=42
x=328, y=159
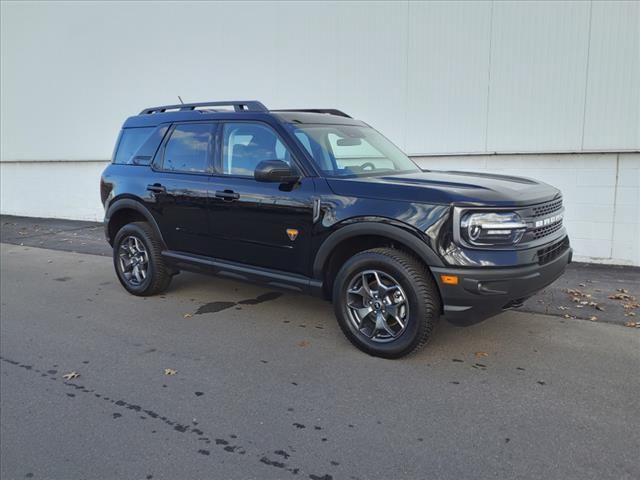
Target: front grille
x=548, y=230
x=550, y=253
x=547, y=208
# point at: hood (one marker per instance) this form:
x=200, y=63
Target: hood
x=445, y=187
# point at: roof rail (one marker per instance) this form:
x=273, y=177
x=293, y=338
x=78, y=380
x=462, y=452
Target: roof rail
x=330, y=111
x=238, y=106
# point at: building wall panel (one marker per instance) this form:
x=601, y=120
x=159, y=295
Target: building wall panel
x=612, y=109
x=538, y=67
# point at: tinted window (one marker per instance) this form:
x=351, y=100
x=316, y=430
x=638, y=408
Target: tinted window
x=131, y=140
x=189, y=148
x=145, y=153
x=245, y=145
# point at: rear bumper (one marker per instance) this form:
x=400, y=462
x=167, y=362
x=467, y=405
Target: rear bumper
x=484, y=292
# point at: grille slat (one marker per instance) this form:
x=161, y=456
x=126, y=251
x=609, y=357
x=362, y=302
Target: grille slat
x=548, y=230
x=540, y=212
x=550, y=253
x=547, y=208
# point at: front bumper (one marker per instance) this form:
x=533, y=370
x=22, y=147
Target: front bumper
x=484, y=292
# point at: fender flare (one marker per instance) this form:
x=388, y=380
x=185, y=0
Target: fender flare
x=131, y=204
x=392, y=232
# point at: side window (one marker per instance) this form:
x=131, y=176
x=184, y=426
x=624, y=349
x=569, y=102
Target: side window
x=189, y=148
x=145, y=153
x=245, y=145
x=131, y=140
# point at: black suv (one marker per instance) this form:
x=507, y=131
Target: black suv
x=317, y=202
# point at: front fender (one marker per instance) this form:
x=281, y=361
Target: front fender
x=390, y=229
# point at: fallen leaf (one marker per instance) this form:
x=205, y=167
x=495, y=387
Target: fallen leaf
x=563, y=308
x=481, y=354
x=170, y=371
x=593, y=318
x=621, y=296
x=71, y=375
x=187, y=315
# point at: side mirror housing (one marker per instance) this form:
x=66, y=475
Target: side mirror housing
x=275, y=171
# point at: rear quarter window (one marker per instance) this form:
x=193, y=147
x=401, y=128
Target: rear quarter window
x=137, y=146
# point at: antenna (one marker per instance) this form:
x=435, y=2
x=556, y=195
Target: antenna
x=180, y=98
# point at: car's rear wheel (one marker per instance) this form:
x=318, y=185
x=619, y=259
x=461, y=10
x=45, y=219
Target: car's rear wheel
x=138, y=261
x=386, y=302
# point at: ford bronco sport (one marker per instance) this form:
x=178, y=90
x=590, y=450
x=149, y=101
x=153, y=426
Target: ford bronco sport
x=318, y=202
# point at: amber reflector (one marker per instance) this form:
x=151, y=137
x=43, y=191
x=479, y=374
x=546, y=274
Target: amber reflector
x=449, y=279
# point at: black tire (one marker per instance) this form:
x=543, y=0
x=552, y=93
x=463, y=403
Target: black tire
x=158, y=276
x=418, y=291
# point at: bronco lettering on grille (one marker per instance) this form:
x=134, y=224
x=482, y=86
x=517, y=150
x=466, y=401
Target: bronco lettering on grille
x=549, y=220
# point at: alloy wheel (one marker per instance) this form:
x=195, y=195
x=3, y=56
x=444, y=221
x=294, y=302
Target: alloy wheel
x=133, y=260
x=377, y=305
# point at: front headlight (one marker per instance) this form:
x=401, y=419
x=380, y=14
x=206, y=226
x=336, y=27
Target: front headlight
x=487, y=229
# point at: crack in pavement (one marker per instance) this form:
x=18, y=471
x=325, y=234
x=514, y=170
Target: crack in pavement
x=203, y=437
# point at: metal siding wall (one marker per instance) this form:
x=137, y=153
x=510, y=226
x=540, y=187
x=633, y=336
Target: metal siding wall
x=436, y=77
x=538, y=66
x=612, y=110
x=449, y=74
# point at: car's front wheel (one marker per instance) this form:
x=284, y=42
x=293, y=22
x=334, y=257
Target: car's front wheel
x=138, y=261
x=386, y=302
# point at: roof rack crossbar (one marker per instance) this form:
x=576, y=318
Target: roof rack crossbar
x=238, y=106
x=330, y=111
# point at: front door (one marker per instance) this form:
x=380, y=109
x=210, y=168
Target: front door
x=256, y=223
x=179, y=186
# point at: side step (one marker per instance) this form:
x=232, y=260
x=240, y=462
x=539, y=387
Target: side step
x=239, y=271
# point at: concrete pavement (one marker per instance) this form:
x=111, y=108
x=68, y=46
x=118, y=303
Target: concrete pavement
x=267, y=387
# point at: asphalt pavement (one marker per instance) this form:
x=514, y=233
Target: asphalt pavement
x=582, y=292
x=219, y=379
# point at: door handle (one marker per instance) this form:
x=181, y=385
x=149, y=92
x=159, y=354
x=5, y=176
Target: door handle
x=227, y=195
x=156, y=188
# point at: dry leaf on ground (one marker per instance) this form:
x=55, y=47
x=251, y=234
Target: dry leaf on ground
x=621, y=296
x=71, y=375
x=481, y=354
x=187, y=315
x=170, y=371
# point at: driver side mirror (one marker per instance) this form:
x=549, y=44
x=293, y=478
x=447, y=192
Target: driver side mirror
x=275, y=171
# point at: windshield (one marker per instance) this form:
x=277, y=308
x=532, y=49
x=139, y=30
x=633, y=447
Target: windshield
x=352, y=151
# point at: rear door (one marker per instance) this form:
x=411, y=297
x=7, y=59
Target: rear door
x=179, y=186
x=256, y=223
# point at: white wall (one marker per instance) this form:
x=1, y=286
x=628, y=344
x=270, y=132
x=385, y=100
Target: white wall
x=438, y=78
x=52, y=189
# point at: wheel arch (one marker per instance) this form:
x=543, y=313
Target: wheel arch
x=355, y=237
x=127, y=210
